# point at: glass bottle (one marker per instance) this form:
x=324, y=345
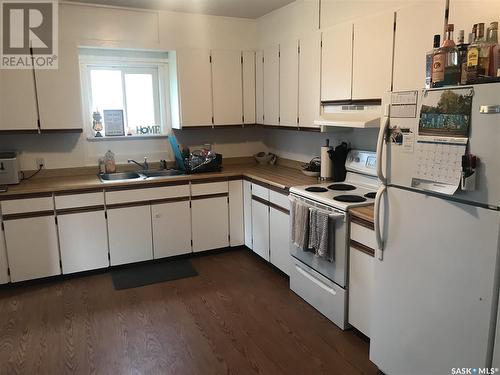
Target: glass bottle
x=428, y=61
x=445, y=69
x=473, y=57
x=494, y=68
x=462, y=56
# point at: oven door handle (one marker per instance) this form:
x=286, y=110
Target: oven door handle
x=380, y=148
x=377, y=227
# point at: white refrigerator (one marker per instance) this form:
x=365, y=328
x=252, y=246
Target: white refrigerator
x=436, y=271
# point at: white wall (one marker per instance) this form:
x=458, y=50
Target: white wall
x=134, y=28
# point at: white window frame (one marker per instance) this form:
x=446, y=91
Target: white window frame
x=158, y=67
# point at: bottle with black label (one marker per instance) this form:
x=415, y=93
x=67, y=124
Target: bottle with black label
x=462, y=56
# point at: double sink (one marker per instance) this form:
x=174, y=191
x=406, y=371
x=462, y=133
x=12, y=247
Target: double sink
x=141, y=175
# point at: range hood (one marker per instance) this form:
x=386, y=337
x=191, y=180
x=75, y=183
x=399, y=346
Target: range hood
x=350, y=114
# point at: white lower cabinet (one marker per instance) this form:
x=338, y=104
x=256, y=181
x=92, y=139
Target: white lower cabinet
x=32, y=247
x=260, y=228
x=247, y=212
x=83, y=241
x=171, y=228
x=130, y=235
x=361, y=264
x=279, y=240
x=4, y=266
x=210, y=223
x=236, y=225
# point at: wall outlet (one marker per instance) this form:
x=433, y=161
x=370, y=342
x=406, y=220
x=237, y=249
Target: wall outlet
x=40, y=163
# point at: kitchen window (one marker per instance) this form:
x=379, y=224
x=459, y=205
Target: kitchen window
x=124, y=93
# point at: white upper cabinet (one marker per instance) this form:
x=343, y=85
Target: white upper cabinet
x=336, y=63
x=412, y=41
x=17, y=100
x=59, y=93
x=465, y=13
x=309, y=79
x=289, y=83
x=259, y=87
x=271, y=85
x=372, y=56
x=227, y=87
x=248, y=87
x=195, y=87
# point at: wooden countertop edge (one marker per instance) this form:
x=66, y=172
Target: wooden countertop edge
x=93, y=182
x=364, y=213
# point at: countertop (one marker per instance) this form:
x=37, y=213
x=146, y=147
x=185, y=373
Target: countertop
x=281, y=177
x=364, y=213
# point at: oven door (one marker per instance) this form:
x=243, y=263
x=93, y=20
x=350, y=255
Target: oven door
x=335, y=271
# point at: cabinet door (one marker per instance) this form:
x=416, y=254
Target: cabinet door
x=279, y=240
x=271, y=85
x=236, y=227
x=259, y=87
x=195, y=87
x=17, y=100
x=309, y=79
x=171, y=229
x=247, y=212
x=260, y=229
x=32, y=248
x=83, y=239
x=360, y=290
x=4, y=273
x=336, y=63
x=464, y=14
x=130, y=237
x=210, y=223
x=227, y=87
x=372, y=56
x=59, y=93
x=248, y=87
x=412, y=41
x=289, y=83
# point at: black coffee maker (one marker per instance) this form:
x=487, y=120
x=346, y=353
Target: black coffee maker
x=338, y=156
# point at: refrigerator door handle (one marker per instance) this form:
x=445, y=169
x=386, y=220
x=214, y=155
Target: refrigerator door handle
x=378, y=234
x=380, y=146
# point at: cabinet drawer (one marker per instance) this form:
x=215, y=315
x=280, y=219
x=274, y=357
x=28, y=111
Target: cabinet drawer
x=209, y=188
x=148, y=194
x=260, y=191
x=279, y=199
x=363, y=235
x=79, y=200
x=19, y=206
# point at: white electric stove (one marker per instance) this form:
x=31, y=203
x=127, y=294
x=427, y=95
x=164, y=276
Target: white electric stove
x=358, y=189
x=322, y=283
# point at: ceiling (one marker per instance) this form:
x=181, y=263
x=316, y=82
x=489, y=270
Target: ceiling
x=229, y=8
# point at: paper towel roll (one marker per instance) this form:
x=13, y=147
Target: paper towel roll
x=326, y=164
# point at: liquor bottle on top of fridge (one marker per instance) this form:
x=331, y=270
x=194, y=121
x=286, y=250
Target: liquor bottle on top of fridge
x=462, y=56
x=445, y=68
x=428, y=61
x=476, y=55
x=492, y=39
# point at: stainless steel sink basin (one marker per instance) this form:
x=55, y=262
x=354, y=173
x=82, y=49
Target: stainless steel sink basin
x=119, y=176
x=162, y=173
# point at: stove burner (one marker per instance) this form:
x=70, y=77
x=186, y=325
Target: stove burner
x=316, y=189
x=371, y=195
x=342, y=187
x=349, y=198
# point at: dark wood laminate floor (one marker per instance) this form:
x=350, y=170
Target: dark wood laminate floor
x=237, y=317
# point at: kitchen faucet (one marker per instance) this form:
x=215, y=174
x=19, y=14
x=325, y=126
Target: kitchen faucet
x=144, y=166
